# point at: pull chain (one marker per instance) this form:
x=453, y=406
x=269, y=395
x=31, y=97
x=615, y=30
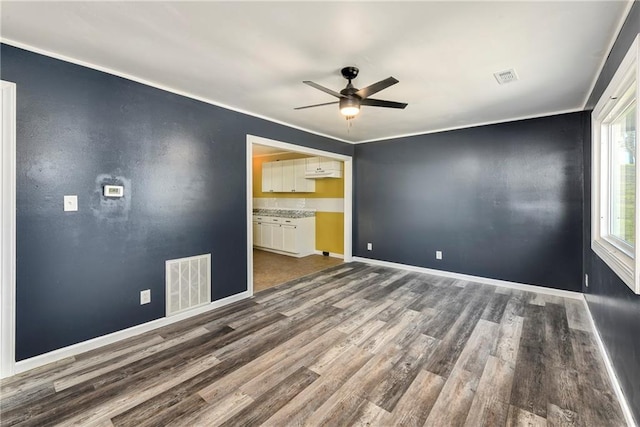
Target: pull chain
x=349, y=123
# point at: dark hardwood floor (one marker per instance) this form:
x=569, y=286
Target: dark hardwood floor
x=351, y=345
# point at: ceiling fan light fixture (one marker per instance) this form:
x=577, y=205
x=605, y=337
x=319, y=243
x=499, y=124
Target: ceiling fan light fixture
x=350, y=99
x=349, y=107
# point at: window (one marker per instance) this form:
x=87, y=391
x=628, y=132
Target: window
x=615, y=186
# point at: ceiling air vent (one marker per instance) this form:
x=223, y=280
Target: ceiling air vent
x=506, y=76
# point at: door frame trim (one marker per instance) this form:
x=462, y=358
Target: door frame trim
x=348, y=194
x=8, y=231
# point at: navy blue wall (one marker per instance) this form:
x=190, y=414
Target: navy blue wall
x=501, y=201
x=615, y=309
x=182, y=163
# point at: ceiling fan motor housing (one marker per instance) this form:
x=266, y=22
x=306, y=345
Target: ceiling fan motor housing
x=349, y=73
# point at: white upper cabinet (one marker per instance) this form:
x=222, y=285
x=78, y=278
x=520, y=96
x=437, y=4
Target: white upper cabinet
x=303, y=185
x=272, y=177
x=322, y=167
x=267, y=185
x=286, y=176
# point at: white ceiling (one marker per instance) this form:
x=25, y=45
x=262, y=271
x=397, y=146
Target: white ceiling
x=253, y=56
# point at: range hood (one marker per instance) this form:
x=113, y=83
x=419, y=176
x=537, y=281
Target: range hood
x=322, y=167
x=317, y=174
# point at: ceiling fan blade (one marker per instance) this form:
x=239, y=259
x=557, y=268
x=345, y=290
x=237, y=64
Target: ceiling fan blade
x=322, y=88
x=376, y=87
x=381, y=103
x=315, y=105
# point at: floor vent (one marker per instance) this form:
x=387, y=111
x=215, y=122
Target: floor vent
x=188, y=283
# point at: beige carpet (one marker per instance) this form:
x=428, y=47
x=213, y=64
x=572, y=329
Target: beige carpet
x=271, y=269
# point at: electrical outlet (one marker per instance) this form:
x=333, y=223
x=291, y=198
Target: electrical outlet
x=369, y=246
x=586, y=280
x=145, y=296
x=438, y=254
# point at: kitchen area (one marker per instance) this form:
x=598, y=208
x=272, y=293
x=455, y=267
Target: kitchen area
x=298, y=215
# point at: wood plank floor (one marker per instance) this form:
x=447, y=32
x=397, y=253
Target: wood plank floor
x=351, y=345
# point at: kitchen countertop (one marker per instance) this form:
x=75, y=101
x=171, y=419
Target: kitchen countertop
x=285, y=213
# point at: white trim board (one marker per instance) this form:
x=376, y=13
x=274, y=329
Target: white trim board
x=8, y=230
x=478, y=279
x=612, y=42
x=75, y=349
x=159, y=86
x=472, y=125
x=626, y=410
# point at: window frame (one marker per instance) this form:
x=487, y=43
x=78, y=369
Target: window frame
x=615, y=252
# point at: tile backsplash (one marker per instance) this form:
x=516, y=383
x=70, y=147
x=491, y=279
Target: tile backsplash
x=320, y=205
x=273, y=202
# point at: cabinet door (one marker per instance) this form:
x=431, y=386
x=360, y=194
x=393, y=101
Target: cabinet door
x=312, y=164
x=288, y=176
x=267, y=184
x=257, y=234
x=329, y=164
x=303, y=184
x=277, y=234
x=267, y=235
x=289, y=238
x=276, y=177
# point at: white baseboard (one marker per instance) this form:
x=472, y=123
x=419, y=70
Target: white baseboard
x=72, y=350
x=331, y=254
x=626, y=410
x=478, y=279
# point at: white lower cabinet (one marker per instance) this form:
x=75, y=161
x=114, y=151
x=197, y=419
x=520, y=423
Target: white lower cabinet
x=267, y=234
x=276, y=234
x=288, y=236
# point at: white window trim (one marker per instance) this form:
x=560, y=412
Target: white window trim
x=624, y=263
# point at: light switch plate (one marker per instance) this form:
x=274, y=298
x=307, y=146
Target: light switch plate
x=438, y=254
x=70, y=203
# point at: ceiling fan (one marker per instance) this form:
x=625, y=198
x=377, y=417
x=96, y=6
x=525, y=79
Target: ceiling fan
x=351, y=98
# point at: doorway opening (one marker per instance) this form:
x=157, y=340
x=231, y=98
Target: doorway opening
x=297, y=222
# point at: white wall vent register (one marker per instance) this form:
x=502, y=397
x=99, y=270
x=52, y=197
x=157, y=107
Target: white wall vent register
x=506, y=76
x=188, y=283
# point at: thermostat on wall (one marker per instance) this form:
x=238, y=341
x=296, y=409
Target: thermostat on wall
x=113, y=190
